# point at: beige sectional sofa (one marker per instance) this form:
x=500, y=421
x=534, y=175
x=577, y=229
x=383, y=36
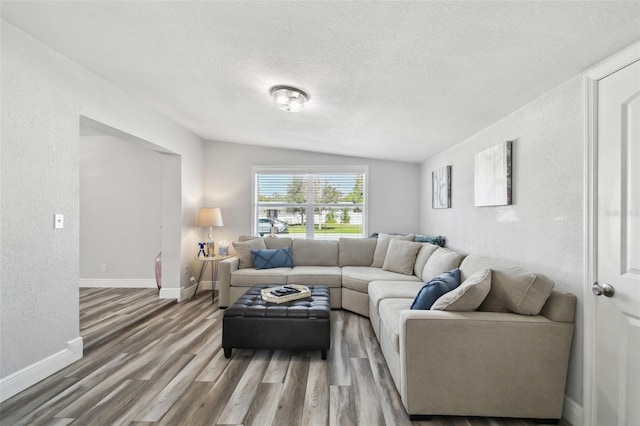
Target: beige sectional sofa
x=508, y=358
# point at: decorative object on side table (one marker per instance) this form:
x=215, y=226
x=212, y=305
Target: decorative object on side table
x=201, y=252
x=492, y=176
x=441, y=188
x=210, y=216
x=223, y=248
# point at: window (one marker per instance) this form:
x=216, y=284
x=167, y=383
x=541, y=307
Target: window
x=318, y=203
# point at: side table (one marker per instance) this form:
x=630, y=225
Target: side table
x=214, y=261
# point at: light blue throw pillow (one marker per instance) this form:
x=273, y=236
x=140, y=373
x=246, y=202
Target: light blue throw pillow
x=435, y=288
x=272, y=258
x=438, y=240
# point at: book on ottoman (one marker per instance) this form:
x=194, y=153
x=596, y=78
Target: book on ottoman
x=285, y=293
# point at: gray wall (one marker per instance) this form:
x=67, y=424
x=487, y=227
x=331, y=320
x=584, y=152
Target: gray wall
x=43, y=97
x=543, y=229
x=120, y=208
x=394, y=187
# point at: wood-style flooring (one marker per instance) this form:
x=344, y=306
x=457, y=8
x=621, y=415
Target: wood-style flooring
x=153, y=362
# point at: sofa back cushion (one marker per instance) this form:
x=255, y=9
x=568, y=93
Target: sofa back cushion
x=243, y=251
x=383, y=244
x=315, y=253
x=440, y=261
x=468, y=296
x=356, y=251
x=424, y=254
x=512, y=288
x=277, y=242
x=401, y=256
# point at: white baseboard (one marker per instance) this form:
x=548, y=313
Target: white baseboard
x=171, y=293
x=572, y=412
x=32, y=374
x=118, y=283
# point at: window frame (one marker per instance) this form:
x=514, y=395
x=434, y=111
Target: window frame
x=310, y=205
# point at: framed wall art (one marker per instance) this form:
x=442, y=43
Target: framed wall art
x=441, y=188
x=492, y=176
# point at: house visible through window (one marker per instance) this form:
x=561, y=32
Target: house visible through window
x=318, y=203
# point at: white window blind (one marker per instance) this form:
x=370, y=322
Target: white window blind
x=317, y=204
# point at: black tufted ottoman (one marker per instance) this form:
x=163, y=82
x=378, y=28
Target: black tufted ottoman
x=303, y=324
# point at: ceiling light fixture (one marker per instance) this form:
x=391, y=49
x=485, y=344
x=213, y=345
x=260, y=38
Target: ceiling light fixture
x=289, y=98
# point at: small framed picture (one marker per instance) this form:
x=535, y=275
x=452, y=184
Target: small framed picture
x=441, y=188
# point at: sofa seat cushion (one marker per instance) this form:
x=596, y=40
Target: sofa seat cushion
x=358, y=277
x=512, y=288
x=389, y=310
x=331, y=276
x=249, y=277
x=381, y=290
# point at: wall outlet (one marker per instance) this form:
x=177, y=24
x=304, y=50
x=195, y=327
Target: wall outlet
x=103, y=267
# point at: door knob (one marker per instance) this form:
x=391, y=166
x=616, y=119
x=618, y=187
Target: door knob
x=603, y=290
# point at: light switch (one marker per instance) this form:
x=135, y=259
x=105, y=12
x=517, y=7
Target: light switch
x=58, y=221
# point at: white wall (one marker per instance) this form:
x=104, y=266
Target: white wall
x=43, y=97
x=120, y=209
x=543, y=229
x=393, y=199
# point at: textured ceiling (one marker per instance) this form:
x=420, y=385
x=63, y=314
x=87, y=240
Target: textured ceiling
x=390, y=80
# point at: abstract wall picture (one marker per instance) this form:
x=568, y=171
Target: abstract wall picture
x=441, y=188
x=492, y=176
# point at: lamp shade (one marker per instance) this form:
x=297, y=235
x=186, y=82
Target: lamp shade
x=210, y=216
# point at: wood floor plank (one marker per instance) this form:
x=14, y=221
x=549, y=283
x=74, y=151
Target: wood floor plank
x=342, y=406
x=292, y=400
x=265, y=404
x=242, y=397
x=339, y=364
x=316, y=399
x=165, y=400
x=353, y=337
x=169, y=364
x=209, y=406
x=366, y=395
x=277, y=369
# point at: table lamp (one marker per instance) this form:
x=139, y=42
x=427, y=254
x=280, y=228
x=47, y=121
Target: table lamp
x=210, y=216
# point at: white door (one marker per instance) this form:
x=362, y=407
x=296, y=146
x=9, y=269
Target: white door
x=617, y=291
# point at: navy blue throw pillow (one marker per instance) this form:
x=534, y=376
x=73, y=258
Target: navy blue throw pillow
x=272, y=258
x=435, y=288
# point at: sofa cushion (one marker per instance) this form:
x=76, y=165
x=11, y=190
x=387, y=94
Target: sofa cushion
x=383, y=244
x=272, y=258
x=390, y=318
x=512, y=288
x=356, y=251
x=277, y=242
x=423, y=255
x=315, y=253
x=468, y=296
x=435, y=288
x=380, y=290
x=442, y=260
x=250, y=276
x=243, y=251
x=358, y=277
x=401, y=256
x=331, y=276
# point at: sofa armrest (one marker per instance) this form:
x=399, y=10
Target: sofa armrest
x=497, y=363
x=226, y=267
